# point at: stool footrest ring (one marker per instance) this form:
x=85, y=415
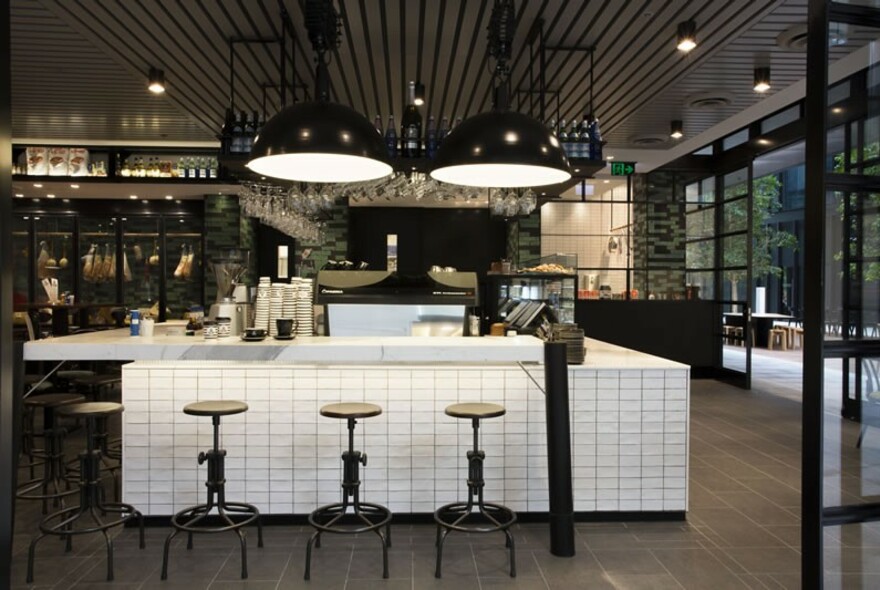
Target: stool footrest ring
x=452, y=517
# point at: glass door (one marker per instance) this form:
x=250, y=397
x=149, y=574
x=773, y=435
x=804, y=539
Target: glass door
x=142, y=259
x=718, y=250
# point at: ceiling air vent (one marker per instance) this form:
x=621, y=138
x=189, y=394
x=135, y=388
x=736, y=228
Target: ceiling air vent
x=708, y=100
x=649, y=140
x=794, y=38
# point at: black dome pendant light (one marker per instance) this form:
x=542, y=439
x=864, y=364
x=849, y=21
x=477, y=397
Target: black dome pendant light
x=320, y=141
x=501, y=148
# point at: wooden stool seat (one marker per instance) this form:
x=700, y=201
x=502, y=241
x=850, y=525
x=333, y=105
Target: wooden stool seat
x=779, y=335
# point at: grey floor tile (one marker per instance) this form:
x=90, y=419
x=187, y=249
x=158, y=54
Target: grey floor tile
x=758, y=508
x=767, y=560
x=696, y=569
x=366, y=562
x=494, y=562
x=519, y=582
x=243, y=585
x=380, y=584
x=628, y=561
x=644, y=582
x=262, y=565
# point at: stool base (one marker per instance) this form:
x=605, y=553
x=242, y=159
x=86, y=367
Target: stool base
x=195, y=514
x=336, y=513
x=453, y=517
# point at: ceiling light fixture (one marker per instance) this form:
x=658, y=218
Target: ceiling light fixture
x=38, y=185
x=169, y=197
x=686, y=40
x=320, y=141
x=762, y=79
x=157, y=81
x=420, y=94
x=19, y=195
x=50, y=196
x=501, y=148
x=74, y=186
x=676, y=130
x=132, y=197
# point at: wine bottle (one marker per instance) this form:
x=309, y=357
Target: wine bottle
x=573, y=140
x=391, y=138
x=192, y=171
x=411, y=126
x=584, y=138
x=595, y=140
x=431, y=138
x=563, y=138
x=443, y=131
x=252, y=132
x=226, y=132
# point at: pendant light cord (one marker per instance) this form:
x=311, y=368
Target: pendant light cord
x=323, y=25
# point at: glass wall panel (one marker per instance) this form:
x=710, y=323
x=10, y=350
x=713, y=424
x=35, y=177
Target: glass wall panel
x=143, y=255
x=184, y=264
x=55, y=251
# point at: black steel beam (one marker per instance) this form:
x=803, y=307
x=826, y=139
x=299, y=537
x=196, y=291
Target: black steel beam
x=558, y=449
x=8, y=454
x=812, y=458
x=851, y=514
x=853, y=14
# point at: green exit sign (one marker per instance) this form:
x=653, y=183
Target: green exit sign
x=622, y=168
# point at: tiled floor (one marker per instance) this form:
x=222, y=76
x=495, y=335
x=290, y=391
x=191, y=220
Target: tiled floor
x=742, y=530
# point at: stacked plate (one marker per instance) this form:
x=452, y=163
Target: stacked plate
x=305, y=318
x=261, y=311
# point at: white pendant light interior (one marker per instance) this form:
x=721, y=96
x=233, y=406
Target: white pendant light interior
x=316, y=167
x=500, y=175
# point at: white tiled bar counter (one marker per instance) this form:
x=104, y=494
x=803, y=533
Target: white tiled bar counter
x=629, y=415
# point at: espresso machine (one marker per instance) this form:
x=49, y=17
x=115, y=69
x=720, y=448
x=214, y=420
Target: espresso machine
x=232, y=295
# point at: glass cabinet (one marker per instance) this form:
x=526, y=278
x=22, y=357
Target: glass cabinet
x=523, y=300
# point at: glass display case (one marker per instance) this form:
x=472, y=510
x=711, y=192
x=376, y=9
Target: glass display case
x=522, y=300
x=184, y=265
x=96, y=259
x=141, y=262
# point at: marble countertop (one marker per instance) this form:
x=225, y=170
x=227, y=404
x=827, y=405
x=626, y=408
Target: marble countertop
x=118, y=345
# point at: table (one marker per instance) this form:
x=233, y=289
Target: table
x=762, y=324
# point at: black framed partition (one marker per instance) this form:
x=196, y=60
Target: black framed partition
x=841, y=302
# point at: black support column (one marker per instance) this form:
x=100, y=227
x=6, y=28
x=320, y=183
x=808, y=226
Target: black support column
x=814, y=296
x=7, y=358
x=558, y=449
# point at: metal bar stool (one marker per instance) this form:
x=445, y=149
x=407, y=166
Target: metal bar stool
x=28, y=449
x=188, y=518
x=453, y=517
x=366, y=516
x=111, y=456
x=87, y=517
x=53, y=485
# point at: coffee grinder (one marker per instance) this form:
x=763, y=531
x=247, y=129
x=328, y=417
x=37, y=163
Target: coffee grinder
x=232, y=295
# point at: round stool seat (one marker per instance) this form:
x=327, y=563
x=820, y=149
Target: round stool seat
x=42, y=387
x=53, y=400
x=350, y=410
x=72, y=374
x=98, y=380
x=215, y=408
x=92, y=409
x=475, y=410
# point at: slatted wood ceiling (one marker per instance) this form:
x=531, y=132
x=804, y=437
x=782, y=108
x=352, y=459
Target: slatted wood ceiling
x=79, y=66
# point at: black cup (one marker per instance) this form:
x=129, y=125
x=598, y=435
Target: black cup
x=285, y=327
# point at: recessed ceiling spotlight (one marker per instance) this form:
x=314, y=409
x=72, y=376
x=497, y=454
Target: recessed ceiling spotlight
x=145, y=202
x=609, y=157
x=50, y=196
x=168, y=197
x=605, y=181
x=763, y=141
x=74, y=186
x=837, y=110
x=132, y=197
x=577, y=169
x=762, y=80
x=676, y=130
x=686, y=40
x=65, y=200
x=38, y=185
x=177, y=201
x=19, y=195
x=157, y=81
